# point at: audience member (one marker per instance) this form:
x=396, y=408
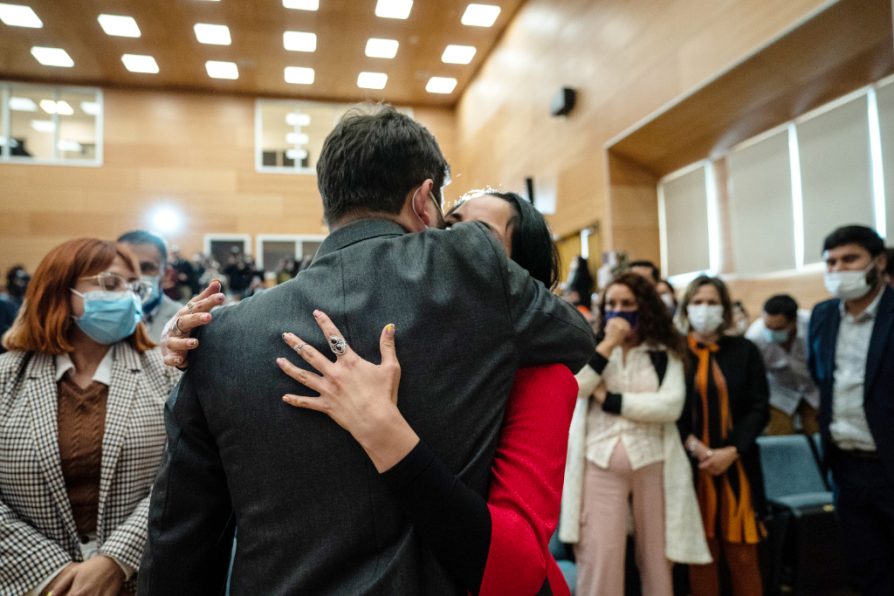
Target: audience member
x=668, y=296
x=8, y=310
x=726, y=409
x=889, y=267
x=186, y=279
x=646, y=269
x=781, y=336
x=287, y=269
x=82, y=430
x=580, y=286
x=239, y=274
x=624, y=446
x=469, y=316
x=152, y=254
x=851, y=356
x=741, y=320
x=17, y=279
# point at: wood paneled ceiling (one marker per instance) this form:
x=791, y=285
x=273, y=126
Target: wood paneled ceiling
x=256, y=27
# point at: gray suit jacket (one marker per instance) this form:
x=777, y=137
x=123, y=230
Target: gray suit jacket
x=313, y=517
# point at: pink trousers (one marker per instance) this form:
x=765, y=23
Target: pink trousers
x=603, y=534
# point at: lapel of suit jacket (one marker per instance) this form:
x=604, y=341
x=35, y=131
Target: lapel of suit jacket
x=43, y=400
x=125, y=378
x=832, y=328
x=880, y=332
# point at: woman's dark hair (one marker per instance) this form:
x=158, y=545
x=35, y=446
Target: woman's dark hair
x=532, y=242
x=583, y=283
x=655, y=325
x=669, y=287
x=705, y=280
x=372, y=158
x=859, y=235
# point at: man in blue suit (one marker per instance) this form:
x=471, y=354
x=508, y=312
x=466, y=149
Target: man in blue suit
x=851, y=357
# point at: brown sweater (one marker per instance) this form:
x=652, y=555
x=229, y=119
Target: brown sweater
x=81, y=418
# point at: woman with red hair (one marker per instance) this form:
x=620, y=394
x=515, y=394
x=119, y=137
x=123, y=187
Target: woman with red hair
x=81, y=425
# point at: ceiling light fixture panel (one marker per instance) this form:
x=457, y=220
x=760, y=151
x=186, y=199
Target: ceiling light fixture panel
x=381, y=48
x=140, y=63
x=52, y=56
x=394, y=9
x=299, y=41
x=372, y=80
x=216, y=35
x=302, y=4
x=480, y=15
x=118, y=25
x=455, y=54
x=62, y=107
x=299, y=75
x=16, y=15
x=442, y=85
x=217, y=69
x=43, y=125
x=297, y=119
x=22, y=104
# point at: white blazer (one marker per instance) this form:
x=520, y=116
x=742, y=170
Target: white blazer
x=37, y=528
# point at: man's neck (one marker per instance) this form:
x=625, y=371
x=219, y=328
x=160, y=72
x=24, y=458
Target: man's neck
x=855, y=307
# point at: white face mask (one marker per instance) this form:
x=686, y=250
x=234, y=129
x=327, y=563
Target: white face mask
x=849, y=285
x=705, y=318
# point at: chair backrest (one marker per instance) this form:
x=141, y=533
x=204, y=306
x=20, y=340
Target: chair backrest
x=789, y=466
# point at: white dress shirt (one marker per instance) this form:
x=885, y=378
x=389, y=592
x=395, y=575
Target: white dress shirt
x=787, y=373
x=849, y=427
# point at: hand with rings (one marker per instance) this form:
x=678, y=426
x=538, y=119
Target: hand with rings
x=175, y=339
x=358, y=395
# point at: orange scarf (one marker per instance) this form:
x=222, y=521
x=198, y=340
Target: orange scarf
x=739, y=523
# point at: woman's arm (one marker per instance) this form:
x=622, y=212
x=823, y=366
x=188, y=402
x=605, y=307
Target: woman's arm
x=27, y=557
x=491, y=546
x=664, y=405
x=756, y=392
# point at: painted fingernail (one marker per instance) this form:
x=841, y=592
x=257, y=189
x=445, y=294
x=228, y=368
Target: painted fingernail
x=280, y=361
x=389, y=329
x=284, y=334
x=219, y=297
x=193, y=342
x=317, y=313
x=206, y=318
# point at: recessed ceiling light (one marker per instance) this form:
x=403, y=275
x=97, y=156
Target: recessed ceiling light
x=302, y=4
x=297, y=119
x=296, y=154
x=56, y=107
x=43, y=125
x=52, y=56
x=140, y=63
x=444, y=85
x=222, y=70
x=299, y=75
x=22, y=104
x=119, y=26
x=16, y=15
x=372, y=80
x=381, y=48
x=393, y=9
x=217, y=35
x=90, y=107
x=480, y=15
x=454, y=54
x=296, y=138
x=299, y=41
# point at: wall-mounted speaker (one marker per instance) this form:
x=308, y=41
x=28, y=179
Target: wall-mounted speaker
x=562, y=102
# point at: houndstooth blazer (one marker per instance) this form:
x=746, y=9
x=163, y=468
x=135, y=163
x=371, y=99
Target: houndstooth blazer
x=37, y=528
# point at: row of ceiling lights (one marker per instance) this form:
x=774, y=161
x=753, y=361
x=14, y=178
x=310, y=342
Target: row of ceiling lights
x=475, y=15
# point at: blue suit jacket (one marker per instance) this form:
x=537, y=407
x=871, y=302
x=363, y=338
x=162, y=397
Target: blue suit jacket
x=878, y=388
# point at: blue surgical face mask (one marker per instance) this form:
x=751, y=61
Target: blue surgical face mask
x=631, y=317
x=109, y=317
x=776, y=336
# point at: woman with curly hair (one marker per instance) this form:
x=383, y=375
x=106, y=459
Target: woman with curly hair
x=624, y=441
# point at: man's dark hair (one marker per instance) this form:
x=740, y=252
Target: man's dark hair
x=372, y=159
x=782, y=304
x=889, y=266
x=656, y=274
x=144, y=237
x=860, y=235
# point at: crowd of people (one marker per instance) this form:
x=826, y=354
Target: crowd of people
x=418, y=410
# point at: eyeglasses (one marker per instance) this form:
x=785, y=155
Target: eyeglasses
x=112, y=282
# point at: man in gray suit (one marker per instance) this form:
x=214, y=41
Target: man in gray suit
x=313, y=516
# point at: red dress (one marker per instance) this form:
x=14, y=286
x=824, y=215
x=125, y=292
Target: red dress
x=526, y=483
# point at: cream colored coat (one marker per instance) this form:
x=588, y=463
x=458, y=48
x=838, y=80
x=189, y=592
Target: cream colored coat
x=684, y=533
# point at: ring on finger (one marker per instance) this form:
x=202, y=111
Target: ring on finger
x=338, y=345
x=298, y=348
x=190, y=306
x=177, y=326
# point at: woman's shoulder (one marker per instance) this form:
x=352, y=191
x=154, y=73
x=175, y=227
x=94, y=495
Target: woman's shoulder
x=13, y=364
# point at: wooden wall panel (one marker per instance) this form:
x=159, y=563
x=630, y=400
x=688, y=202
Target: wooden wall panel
x=192, y=151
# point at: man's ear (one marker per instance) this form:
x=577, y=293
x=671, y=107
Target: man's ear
x=421, y=201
